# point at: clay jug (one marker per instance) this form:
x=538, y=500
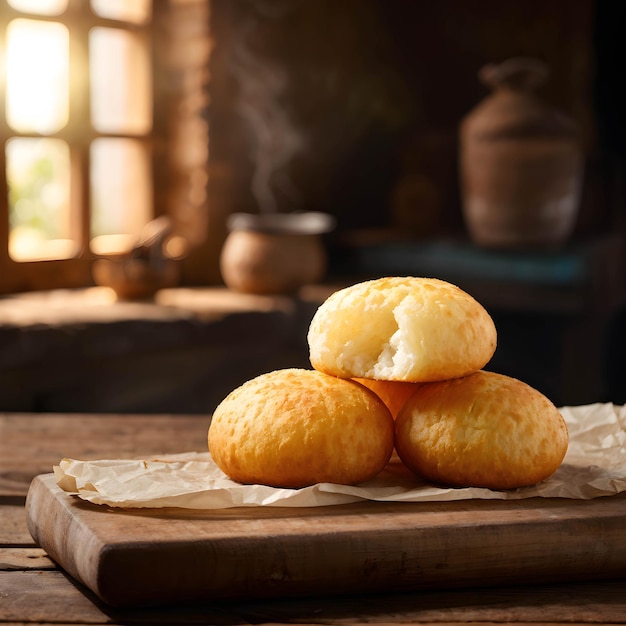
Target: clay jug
x=274, y=253
x=521, y=162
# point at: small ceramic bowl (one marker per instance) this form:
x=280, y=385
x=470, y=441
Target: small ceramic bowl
x=135, y=279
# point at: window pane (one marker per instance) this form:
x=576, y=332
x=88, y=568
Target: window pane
x=38, y=175
x=121, y=195
x=121, y=88
x=41, y=7
x=137, y=11
x=37, y=76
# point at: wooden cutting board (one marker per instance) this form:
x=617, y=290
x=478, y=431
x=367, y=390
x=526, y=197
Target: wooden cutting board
x=151, y=557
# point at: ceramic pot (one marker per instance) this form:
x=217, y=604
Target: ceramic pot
x=521, y=162
x=274, y=253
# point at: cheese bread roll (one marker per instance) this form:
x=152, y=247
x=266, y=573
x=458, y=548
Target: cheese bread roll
x=297, y=427
x=403, y=329
x=483, y=430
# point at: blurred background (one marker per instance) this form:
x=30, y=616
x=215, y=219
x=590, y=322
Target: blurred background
x=117, y=113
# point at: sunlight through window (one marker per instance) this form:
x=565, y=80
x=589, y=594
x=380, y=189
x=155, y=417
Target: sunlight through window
x=121, y=90
x=37, y=71
x=136, y=11
x=78, y=123
x=121, y=197
x=39, y=7
x=39, y=218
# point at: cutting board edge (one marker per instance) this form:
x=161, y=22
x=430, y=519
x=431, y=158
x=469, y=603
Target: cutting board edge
x=96, y=572
x=62, y=530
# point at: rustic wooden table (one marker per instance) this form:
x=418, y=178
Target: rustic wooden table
x=34, y=590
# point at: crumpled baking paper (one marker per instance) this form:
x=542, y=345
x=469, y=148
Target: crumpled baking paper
x=594, y=466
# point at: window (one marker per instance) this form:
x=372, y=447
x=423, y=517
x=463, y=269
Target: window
x=83, y=144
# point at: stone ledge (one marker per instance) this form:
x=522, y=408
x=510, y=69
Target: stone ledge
x=81, y=350
x=65, y=307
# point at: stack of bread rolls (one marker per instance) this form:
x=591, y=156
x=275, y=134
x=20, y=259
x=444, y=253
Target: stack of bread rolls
x=397, y=362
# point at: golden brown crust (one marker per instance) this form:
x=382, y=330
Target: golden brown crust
x=403, y=329
x=483, y=430
x=296, y=427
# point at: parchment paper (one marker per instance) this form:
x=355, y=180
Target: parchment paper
x=594, y=466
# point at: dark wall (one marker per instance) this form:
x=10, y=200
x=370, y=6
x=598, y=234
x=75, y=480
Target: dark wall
x=353, y=106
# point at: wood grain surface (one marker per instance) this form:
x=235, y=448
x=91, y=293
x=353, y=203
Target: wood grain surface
x=31, y=443
x=139, y=557
x=35, y=590
x=50, y=597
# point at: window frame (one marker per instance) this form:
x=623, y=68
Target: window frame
x=78, y=134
